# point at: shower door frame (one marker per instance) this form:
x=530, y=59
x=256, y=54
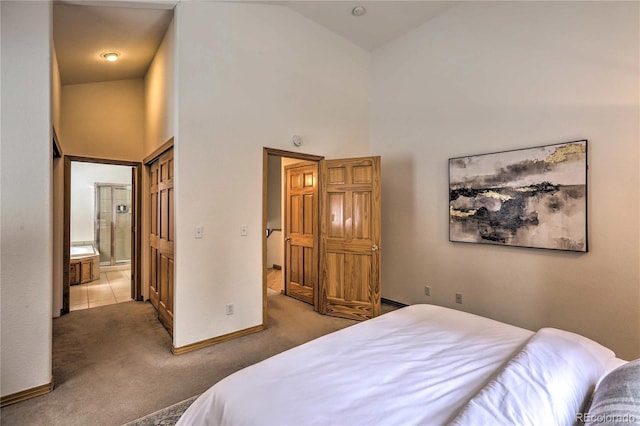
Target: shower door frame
x=136, y=225
x=113, y=260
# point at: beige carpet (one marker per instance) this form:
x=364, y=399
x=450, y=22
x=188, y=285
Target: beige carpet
x=113, y=364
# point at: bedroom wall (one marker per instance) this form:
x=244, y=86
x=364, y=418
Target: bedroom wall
x=485, y=77
x=26, y=202
x=250, y=76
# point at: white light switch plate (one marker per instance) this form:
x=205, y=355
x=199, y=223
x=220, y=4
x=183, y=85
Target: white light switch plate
x=244, y=230
x=197, y=232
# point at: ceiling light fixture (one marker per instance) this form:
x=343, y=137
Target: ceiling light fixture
x=358, y=11
x=110, y=56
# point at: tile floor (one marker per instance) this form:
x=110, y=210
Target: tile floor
x=112, y=287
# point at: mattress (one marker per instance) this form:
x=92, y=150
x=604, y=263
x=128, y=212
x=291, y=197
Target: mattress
x=416, y=365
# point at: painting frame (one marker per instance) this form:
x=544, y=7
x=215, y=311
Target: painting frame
x=533, y=197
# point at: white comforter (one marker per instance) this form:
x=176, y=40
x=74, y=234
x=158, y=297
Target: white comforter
x=416, y=365
x=547, y=383
x=420, y=365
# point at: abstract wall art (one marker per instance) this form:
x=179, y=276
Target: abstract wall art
x=535, y=197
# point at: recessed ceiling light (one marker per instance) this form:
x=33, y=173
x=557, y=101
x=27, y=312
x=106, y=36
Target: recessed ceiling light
x=110, y=56
x=358, y=11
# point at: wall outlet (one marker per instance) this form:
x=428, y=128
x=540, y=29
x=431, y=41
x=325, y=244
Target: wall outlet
x=459, y=298
x=427, y=290
x=229, y=308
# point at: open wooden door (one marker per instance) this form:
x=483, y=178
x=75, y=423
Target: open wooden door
x=301, y=232
x=350, y=238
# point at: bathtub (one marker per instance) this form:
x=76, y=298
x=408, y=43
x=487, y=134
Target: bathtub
x=84, y=265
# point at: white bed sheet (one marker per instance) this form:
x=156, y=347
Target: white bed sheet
x=416, y=365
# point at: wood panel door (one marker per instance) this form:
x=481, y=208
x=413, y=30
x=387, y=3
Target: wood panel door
x=162, y=238
x=154, y=230
x=350, y=238
x=301, y=232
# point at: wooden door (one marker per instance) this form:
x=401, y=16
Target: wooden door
x=301, y=232
x=350, y=238
x=162, y=238
x=154, y=230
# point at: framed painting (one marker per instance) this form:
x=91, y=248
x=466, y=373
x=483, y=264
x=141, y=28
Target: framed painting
x=534, y=197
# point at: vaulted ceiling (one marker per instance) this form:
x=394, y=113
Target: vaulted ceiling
x=83, y=30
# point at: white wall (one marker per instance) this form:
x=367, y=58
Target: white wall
x=26, y=203
x=250, y=76
x=486, y=77
x=84, y=176
x=159, y=94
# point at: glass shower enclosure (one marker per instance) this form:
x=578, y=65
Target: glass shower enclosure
x=113, y=223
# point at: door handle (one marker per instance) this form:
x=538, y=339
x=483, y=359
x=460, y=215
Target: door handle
x=286, y=240
x=375, y=248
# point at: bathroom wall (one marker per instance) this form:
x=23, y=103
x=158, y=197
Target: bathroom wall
x=84, y=176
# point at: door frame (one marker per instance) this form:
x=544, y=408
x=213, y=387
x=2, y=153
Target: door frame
x=136, y=204
x=266, y=152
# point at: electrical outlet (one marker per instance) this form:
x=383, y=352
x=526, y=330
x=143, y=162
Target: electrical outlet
x=229, y=308
x=427, y=290
x=459, y=298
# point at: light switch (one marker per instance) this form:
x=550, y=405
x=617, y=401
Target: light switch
x=244, y=230
x=197, y=232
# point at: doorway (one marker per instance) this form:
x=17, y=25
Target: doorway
x=101, y=240
x=113, y=221
x=276, y=276
x=331, y=233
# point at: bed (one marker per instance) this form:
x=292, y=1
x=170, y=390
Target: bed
x=421, y=365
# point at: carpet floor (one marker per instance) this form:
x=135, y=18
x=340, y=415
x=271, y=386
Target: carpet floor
x=113, y=364
x=168, y=416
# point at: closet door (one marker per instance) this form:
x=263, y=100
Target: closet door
x=162, y=238
x=166, y=238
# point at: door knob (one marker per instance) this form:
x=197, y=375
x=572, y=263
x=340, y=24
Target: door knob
x=375, y=248
x=286, y=240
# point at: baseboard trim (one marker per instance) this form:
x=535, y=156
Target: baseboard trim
x=224, y=338
x=26, y=394
x=393, y=303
